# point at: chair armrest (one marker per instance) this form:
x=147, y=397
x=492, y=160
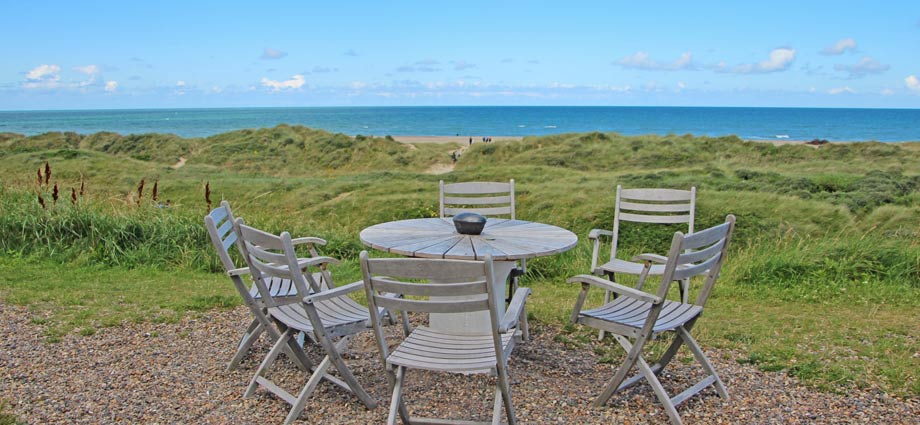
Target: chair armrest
x=238, y=272
x=313, y=261
x=597, y=233
x=655, y=258
x=309, y=239
x=587, y=279
x=338, y=291
x=513, y=313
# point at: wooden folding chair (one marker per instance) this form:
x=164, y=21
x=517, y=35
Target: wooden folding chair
x=438, y=350
x=657, y=206
x=490, y=199
x=325, y=314
x=219, y=223
x=643, y=316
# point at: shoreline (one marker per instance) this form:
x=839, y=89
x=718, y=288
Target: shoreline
x=464, y=140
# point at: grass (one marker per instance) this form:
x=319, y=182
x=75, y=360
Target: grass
x=822, y=282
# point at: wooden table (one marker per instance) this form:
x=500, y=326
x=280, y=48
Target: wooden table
x=505, y=240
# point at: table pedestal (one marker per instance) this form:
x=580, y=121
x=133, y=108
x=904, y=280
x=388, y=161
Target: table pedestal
x=475, y=323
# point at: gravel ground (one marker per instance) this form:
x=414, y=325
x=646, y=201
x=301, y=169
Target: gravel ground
x=175, y=373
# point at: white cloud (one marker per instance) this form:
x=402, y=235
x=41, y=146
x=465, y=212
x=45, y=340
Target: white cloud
x=111, y=86
x=270, y=53
x=780, y=60
x=350, y=52
x=180, y=83
x=294, y=83
x=887, y=92
x=641, y=60
x=88, y=69
x=841, y=90
x=840, y=47
x=42, y=77
x=862, y=68
x=912, y=83
x=43, y=71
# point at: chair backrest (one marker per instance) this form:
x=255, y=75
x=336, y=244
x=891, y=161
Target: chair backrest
x=700, y=253
x=660, y=206
x=486, y=198
x=219, y=223
x=273, y=256
x=386, y=277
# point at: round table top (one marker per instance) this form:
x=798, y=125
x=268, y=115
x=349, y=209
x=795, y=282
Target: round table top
x=503, y=239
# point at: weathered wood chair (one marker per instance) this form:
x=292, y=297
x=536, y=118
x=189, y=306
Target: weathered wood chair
x=490, y=199
x=658, y=206
x=324, y=314
x=435, y=350
x=643, y=316
x=219, y=223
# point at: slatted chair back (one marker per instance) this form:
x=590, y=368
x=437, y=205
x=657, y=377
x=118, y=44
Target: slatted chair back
x=700, y=253
x=219, y=223
x=659, y=206
x=485, y=198
x=394, y=284
x=271, y=256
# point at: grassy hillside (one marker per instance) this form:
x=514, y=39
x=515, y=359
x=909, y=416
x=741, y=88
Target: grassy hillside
x=823, y=281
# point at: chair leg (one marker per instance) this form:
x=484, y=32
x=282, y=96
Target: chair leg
x=505, y=391
x=634, y=352
x=525, y=326
x=396, y=403
x=704, y=361
x=662, y=395
x=332, y=352
x=252, y=333
x=267, y=362
x=301, y=402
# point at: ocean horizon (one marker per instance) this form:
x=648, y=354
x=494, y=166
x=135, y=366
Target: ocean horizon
x=751, y=123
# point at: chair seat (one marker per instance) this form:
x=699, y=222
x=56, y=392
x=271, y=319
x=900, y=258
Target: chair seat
x=430, y=349
x=279, y=287
x=340, y=311
x=632, y=313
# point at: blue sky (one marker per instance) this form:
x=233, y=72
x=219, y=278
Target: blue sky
x=165, y=54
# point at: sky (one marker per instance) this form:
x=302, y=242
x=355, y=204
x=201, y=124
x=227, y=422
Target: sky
x=189, y=54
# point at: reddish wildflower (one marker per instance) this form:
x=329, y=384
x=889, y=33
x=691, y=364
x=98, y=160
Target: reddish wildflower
x=154, y=195
x=41, y=201
x=47, y=172
x=207, y=194
x=140, y=192
x=73, y=196
x=54, y=194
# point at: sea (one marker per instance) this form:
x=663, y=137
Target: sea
x=832, y=124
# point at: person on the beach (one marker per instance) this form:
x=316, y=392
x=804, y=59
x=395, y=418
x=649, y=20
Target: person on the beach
x=471, y=140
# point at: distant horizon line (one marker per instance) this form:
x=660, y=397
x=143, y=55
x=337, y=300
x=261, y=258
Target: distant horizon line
x=445, y=106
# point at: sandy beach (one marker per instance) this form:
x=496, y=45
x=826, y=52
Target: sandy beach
x=452, y=139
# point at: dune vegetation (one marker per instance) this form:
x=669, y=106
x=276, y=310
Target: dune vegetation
x=823, y=280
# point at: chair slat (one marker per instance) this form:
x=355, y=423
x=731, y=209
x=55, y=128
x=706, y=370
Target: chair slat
x=633, y=206
x=672, y=195
x=423, y=268
x=697, y=256
x=453, y=306
x=218, y=214
x=482, y=200
x=477, y=187
x=664, y=219
x=482, y=211
x=428, y=289
x=225, y=228
x=690, y=271
x=264, y=255
x=706, y=237
x=229, y=241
